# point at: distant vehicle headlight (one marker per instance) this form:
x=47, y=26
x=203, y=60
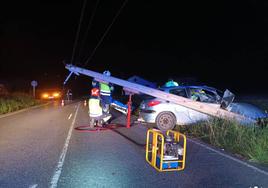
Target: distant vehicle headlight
x=56, y=94
x=45, y=96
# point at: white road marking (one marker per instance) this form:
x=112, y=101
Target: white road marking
x=70, y=116
x=33, y=186
x=57, y=173
x=229, y=157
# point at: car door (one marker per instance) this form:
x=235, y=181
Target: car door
x=206, y=96
x=183, y=114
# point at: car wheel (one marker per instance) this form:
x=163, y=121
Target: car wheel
x=165, y=121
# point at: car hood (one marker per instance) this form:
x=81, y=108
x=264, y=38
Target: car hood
x=247, y=110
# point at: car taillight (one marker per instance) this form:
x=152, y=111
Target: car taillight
x=153, y=103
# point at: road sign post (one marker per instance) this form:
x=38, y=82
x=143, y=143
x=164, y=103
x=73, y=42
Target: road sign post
x=34, y=84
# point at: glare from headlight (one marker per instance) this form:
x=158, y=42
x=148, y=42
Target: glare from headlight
x=45, y=95
x=56, y=94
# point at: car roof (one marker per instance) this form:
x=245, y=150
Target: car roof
x=190, y=87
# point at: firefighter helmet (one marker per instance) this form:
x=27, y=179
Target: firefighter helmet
x=107, y=73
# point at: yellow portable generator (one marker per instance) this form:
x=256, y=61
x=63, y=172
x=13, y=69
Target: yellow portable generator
x=166, y=151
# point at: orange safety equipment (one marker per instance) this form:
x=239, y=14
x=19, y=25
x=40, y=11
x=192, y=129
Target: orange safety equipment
x=95, y=92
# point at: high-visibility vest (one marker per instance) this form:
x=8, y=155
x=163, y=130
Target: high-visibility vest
x=105, y=89
x=94, y=108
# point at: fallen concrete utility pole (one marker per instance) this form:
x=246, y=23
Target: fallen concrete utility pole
x=137, y=88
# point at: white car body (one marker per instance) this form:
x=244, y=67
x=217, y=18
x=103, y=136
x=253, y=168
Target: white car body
x=166, y=114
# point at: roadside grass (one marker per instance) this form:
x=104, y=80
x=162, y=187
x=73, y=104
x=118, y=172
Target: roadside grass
x=16, y=101
x=250, y=143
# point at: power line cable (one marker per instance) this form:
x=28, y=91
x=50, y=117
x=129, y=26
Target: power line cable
x=78, y=30
x=107, y=30
x=76, y=40
x=88, y=28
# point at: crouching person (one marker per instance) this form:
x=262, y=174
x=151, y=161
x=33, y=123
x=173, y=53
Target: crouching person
x=95, y=111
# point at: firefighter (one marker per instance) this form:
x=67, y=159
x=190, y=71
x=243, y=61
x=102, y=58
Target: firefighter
x=94, y=107
x=95, y=83
x=96, y=114
x=105, y=93
x=198, y=95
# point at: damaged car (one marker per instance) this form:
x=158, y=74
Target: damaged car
x=166, y=115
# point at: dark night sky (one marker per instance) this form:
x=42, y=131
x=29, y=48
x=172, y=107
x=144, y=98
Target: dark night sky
x=221, y=43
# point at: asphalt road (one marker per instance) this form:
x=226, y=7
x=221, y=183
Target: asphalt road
x=41, y=148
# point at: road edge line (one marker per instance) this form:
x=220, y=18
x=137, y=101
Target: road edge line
x=229, y=157
x=57, y=173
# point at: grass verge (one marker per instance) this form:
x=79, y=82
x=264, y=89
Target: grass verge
x=250, y=143
x=16, y=101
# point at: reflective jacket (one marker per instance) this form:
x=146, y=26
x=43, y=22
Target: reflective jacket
x=105, y=89
x=94, y=108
